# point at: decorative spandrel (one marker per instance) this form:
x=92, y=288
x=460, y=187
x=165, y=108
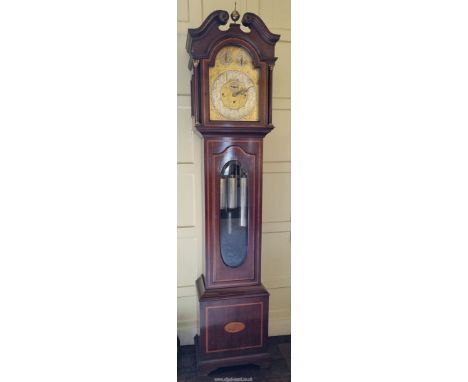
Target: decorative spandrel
x=233, y=211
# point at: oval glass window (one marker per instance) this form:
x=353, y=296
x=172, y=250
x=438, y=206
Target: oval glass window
x=233, y=209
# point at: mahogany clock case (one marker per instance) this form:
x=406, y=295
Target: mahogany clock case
x=233, y=304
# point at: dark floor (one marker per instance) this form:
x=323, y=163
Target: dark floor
x=278, y=372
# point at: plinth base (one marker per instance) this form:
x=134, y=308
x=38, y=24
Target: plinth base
x=233, y=327
x=205, y=367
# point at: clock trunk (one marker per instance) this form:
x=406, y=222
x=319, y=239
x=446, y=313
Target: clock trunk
x=223, y=221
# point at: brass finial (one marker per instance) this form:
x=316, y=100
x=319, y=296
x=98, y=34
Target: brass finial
x=235, y=15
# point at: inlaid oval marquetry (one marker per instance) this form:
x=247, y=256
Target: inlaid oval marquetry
x=234, y=327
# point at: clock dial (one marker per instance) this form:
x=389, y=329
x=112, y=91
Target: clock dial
x=233, y=84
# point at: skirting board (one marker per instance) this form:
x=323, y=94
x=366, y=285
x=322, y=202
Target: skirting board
x=186, y=330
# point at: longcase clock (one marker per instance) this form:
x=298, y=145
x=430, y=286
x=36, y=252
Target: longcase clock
x=231, y=108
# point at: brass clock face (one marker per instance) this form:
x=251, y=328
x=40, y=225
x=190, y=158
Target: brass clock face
x=233, y=84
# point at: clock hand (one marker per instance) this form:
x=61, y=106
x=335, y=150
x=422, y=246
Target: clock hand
x=233, y=89
x=242, y=91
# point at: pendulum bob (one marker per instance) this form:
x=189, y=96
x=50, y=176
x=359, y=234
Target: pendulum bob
x=229, y=223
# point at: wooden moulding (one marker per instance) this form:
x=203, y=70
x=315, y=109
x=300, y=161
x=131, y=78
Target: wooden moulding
x=201, y=40
x=226, y=293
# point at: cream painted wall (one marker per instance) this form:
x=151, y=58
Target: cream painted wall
x=276, y=238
